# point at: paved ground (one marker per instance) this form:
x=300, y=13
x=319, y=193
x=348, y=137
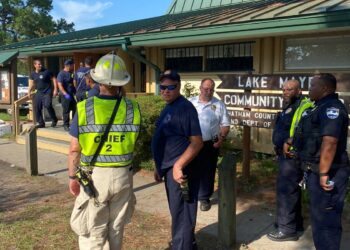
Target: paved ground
x=253, y=220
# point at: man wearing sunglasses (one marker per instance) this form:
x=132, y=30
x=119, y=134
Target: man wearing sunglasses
x=176, y=142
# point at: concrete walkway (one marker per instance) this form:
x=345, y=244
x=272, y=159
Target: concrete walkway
x=254, y=220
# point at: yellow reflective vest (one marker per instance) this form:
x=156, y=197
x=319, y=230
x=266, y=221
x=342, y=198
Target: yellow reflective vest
x=93, y=116
x=305, y=103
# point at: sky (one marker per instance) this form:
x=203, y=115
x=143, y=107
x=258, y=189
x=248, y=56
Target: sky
x=95, y=13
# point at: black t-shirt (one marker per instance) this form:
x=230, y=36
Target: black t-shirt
x=42, y=80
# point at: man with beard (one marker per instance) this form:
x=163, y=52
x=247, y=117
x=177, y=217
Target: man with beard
x=289, y=219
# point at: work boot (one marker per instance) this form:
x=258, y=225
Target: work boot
x=279, y=236
x=40, y=125
x=66, y=127
x=54, y=123
x=205, y=205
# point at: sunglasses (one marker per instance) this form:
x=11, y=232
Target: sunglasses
x=168, y=87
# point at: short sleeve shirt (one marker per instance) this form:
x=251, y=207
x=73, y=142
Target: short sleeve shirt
x=212, y=115
x=42, y=80
x=95, y=91
x=66, y=79
x=79, y=78
x=177, y=122
x=333, y=119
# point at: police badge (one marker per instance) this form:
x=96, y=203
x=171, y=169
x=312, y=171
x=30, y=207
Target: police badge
x=332, y=113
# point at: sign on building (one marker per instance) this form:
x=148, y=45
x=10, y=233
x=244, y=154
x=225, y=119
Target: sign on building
x=252, y=100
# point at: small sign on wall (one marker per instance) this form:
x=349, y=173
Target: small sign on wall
x=4, y=86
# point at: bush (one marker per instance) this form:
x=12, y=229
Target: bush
x=150, y=107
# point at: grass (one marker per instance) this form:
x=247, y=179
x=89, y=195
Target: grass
x=6, y=117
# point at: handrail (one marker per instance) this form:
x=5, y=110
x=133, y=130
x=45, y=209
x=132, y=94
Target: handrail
x=16, y=105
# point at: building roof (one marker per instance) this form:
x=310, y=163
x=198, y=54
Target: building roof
x=246, y=19
x=181, y=6
x=6, y=57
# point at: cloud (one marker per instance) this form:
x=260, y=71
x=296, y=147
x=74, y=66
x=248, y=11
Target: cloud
x=84, y=14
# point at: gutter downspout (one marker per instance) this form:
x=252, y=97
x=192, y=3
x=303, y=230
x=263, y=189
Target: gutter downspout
x=145, y=61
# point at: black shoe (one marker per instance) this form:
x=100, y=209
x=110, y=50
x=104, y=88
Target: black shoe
x=54, y=123
x=205, y=205
x=40, y=126
x=66, y=128
x=279, y=236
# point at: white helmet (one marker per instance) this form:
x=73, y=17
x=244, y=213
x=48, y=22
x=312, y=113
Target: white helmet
x=110, y=69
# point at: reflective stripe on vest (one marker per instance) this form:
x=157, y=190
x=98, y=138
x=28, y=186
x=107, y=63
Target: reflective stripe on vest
x=306, y=103
x=93, y=116
x=114, y=128
x=109, y=158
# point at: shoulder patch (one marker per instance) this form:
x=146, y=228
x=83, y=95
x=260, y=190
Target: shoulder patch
x=288, y=111
x=332, y=113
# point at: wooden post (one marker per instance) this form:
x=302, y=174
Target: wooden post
x=227, y=203
x=246, y=152
x=31, y=152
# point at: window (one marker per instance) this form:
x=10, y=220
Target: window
x=222, y=57
x=229, y=57
x=317, y=53
x=184, y=59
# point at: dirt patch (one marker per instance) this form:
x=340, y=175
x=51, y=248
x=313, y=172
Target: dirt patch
x=35, y=212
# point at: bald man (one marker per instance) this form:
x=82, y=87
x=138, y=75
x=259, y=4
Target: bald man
x=288, y=193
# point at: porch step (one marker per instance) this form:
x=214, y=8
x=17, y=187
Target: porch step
x=53, y=139
x=58, y=146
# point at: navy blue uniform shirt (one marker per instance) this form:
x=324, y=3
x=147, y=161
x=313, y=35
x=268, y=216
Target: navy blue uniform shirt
x=282, y=124
x=177, y=122
x=333, y=120
x=95, y=91
x=79, y=78
x=66, y=78
x=42, y=80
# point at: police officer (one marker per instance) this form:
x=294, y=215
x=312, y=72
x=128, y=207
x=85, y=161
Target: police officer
x=45, y=84
x=176, y=142
x=288, y=194
x=320, y=142
x=67, y=91
x=215, y=125
x=100, y=221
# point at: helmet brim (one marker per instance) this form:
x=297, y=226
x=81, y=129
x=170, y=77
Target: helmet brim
x=106, y=81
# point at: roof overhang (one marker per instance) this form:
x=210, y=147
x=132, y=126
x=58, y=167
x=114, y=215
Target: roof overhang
x=6, y=57
x=258, y=28
x=88, y=44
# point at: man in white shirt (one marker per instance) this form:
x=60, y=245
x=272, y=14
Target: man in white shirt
x=215, y=125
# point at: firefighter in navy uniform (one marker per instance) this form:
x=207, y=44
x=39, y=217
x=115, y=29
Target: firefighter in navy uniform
x=288, y=194
x=320, y=141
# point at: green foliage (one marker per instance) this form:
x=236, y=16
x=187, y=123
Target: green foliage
x=150, y=107
x=30, y=19
x=189, y=90
x=22, y=67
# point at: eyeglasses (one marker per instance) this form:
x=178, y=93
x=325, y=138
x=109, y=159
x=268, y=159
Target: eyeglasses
x=168, y=87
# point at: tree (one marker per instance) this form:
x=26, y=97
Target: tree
x=28, y=19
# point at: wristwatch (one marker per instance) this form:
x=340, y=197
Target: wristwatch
x=323, y=174
x=72, y=177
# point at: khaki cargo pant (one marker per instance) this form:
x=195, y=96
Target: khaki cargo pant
x=102, y=226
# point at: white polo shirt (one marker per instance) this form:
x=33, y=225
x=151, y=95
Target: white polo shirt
x=212, y=115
